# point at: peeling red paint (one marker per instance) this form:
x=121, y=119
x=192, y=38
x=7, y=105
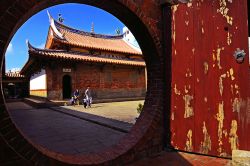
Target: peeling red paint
x=218, y=84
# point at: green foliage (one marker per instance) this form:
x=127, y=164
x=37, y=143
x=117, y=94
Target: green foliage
x=139, y=108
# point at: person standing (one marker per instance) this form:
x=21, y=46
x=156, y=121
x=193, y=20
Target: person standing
x=88, y=97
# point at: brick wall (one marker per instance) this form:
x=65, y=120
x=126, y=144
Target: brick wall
x=106, y=82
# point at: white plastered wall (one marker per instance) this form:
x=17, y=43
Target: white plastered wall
x=38, y=81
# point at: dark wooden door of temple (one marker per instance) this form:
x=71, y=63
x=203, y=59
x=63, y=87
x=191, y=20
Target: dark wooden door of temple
x=66, y=86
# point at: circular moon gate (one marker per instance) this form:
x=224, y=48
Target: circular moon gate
x=146, y=135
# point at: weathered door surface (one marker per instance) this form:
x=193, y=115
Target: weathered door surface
x=210, y=109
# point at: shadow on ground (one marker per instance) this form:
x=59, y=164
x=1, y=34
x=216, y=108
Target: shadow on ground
x=63, y=132
x=69, y=131
x=100, y=120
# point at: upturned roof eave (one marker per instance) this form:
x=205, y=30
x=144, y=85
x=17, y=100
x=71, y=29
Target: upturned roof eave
x=27, y=66
x=47, y=53
x=103, y=60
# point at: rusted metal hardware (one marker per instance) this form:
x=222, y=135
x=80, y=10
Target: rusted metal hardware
x=239, y=55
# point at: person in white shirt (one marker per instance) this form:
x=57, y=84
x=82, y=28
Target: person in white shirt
x=88, y=97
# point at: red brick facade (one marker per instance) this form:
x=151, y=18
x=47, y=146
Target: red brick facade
x=106, y=82
x=112, y=68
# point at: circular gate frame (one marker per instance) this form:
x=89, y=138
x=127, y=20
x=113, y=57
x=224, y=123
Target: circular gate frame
x=145, y=137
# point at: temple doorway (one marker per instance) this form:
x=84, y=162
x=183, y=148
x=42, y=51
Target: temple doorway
x=66, y=86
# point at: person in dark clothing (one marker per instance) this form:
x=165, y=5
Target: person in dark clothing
x=85, y=103
x=76, y=96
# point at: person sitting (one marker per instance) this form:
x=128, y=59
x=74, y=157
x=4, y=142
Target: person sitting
x=72, y=101
x=85, y=103
x=76, y=96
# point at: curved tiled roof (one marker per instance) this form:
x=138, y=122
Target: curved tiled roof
x=94, y=41
x=79, y=56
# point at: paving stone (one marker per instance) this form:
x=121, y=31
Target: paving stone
x=60, y=132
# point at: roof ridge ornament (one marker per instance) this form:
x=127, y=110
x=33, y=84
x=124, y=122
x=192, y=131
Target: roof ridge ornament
x=117, y=31
x=52, y=24
x=50, y=17
x=59, y=26
x=28, y=44
x=60, y=18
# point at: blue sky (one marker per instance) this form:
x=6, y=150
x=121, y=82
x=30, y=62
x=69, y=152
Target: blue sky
x=36, y=28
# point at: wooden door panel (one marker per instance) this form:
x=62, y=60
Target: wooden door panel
x=219, y=93
x=182, y=109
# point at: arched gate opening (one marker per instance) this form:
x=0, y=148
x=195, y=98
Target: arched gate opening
x=148, y=130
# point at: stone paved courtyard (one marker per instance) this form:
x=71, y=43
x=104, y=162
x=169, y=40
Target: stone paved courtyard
x=122, y=111
x=60, y=132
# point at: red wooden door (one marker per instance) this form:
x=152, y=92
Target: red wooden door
x=207, y=81
x=182, y=111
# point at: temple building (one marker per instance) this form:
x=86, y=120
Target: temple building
x=110, y=65
x=14, y=85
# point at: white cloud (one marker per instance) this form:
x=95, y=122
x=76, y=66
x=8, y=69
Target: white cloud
x=41, y=45
x=13, y=70
x=10, y=48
